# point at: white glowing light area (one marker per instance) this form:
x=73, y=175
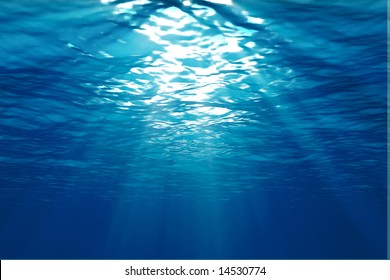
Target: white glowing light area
x=223, y=2
x=200, y=59
x=200, y=55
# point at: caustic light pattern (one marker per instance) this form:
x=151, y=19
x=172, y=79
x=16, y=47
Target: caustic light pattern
x=194, y=129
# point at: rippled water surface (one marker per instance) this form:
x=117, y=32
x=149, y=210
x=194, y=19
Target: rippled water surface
x=193, y=129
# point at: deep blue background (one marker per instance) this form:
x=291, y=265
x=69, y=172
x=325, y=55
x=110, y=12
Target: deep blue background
x=227, y=137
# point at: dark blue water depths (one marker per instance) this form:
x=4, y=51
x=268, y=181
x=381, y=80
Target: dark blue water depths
x=252, y=129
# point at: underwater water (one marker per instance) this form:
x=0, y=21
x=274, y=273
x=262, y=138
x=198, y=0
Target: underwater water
x=243, y=129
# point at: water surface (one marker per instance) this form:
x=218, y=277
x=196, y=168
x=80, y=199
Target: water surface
x=193, y=129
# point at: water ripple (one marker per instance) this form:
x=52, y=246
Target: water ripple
x=206, y=98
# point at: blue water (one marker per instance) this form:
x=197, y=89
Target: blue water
x=252, y=129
